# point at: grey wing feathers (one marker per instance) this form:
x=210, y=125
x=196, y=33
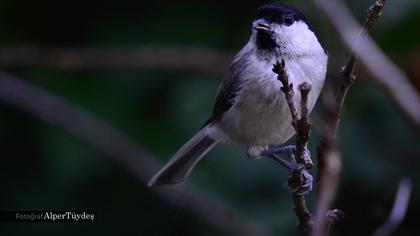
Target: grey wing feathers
x=228, y=90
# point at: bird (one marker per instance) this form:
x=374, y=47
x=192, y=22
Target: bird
x=250, y=109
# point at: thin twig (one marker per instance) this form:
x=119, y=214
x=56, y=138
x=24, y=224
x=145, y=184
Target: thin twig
x=326, y=195
x=378, y=64
x=303, y=128
x=206, y=60
x=333, y=217
x=48, y=107
x=374, y=12
x=329, y=160
x=399, y=209
x=287, y=89
x=144, y=57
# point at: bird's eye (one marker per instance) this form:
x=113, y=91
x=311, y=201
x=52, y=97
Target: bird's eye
x=288, y=20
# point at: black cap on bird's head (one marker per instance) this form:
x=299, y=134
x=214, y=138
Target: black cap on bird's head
x=279, y=13
x=268, y=16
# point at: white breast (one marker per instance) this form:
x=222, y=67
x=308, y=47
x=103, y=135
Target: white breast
x=260, y=115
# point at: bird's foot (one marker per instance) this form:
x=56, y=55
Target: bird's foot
x=299, y=180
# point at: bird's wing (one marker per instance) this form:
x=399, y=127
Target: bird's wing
x=228, y=90
x=225, y=97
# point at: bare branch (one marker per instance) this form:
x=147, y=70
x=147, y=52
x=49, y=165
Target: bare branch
x=329, y=159
x=333, y=217
x=378, y=64
x=326, y=195
x=302, y=126
x=303, y=129
x=145, y=57
x=125, y=152
x=287, y=89
x=399, y=209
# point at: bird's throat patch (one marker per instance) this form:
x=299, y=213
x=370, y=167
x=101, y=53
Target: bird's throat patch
x=265, y=40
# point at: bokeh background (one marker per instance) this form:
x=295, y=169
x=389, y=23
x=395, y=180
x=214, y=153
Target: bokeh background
x=159, y=106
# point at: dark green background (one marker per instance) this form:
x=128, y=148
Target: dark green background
x=44, y=167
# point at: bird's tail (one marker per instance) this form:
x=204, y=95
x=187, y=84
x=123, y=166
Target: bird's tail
x=183, y=161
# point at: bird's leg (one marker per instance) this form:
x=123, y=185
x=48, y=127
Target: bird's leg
x=274, y=154
x=281, y=161
x=290, y=149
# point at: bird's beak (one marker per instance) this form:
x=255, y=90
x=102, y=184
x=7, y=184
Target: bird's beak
x=261, y=25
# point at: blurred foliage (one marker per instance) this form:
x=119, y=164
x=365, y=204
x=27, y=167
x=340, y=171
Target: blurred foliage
x=43, y=167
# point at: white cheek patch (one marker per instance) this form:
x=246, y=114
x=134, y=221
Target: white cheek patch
x=297, y=40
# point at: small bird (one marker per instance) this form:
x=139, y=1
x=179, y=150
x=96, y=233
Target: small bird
x=250, y=108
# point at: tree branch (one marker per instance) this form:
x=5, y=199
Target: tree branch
x=303, y=129
x=329, y=159
x=131, y=157
x=377, y=63
x=326, y=194
x=208, y=60
x=399, y=209
x=145, y=57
